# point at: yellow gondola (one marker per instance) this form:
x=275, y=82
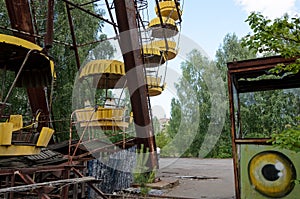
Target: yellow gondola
x=33, y=69
x=154, y=86
x=38, y=69
x=16, y=140
x=169, y=28
x=168, y=9
x=153, y=55
x=106, y=118
x=105, y=74
x=168, y=47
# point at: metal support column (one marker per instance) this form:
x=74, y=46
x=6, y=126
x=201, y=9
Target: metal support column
x=131, y=50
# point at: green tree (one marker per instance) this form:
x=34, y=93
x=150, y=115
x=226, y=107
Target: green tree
x=191, y=113
x=231, y=49
x=263, y=113
x=175, y=119
x=280, y=37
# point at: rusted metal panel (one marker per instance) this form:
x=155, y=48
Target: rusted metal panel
x=20, y=18
x=233, y=136
x=38, y=101
x=244, y=72
x=50, y=25
x=258, y=62
x=130, y=46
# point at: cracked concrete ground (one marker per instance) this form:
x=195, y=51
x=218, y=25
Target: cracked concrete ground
x=199, y=178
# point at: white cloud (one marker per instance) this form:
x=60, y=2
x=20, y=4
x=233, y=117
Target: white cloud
x=270, y=8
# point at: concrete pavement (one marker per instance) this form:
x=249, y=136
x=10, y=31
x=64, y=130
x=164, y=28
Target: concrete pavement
x=199, y=178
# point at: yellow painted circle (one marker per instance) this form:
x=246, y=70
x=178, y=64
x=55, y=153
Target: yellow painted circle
x=271, y=173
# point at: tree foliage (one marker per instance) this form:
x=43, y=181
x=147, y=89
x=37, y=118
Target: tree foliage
x=231, y=49
x=263, y=113
x=191, y=116
x=280, y=37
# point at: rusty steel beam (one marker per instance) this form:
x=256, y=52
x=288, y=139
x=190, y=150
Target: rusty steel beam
x=40, y=169
x=131, y=50
x=50, y=25
x=21, y=19
x=71, y=24
x=89, y=12
x=98, y=191
x=242, y=71
x=233, y=136
x=28, y=180
x=254, y=64
x=12, y=183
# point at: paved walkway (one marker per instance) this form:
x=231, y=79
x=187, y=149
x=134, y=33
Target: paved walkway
x=199, y=178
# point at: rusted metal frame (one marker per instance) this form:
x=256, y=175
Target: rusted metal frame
x=73, y=36
x=247, y=67
x=99, y=138
x=253, y=141
x=111, y=16
x=18, y=74
x=75, y=191
x=36, y=30
x=162, y=24
x=3, y=84
x=28, y=180
x=78, y=157
x=133, y=60
x=20, y=17
x=25, y=178
x=6, y=195
x=256, y=68
x=31, y=185
x=12, y=183
x=34, y=170
x=33, y=35
x=65, y=189
x=139, y=18
x=89, y=12
x=159, y=14
x=50, y=25
x=249, y=70
x=98, y=191
x=84, y=4
x=252, y=63
x=81, y=137
x=177, y=4
x=233, y=137
x=97, y=41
